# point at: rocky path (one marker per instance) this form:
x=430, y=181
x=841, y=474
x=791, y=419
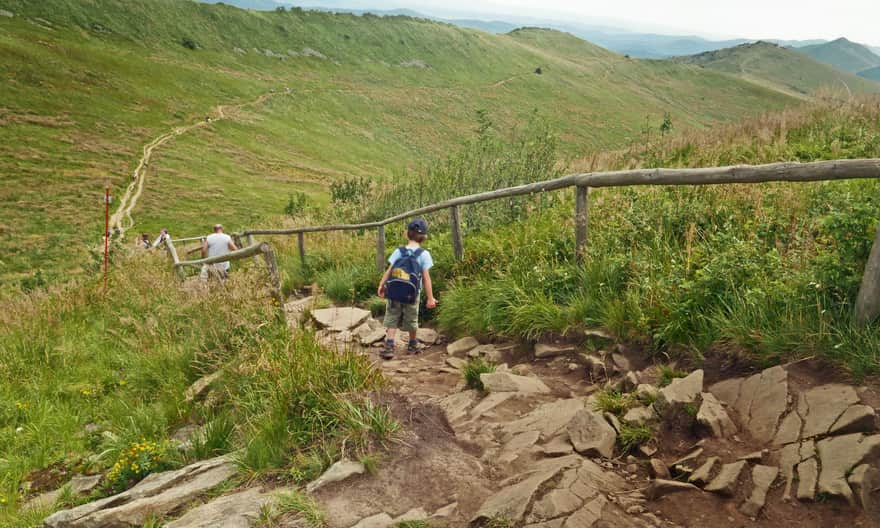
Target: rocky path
x=544, y=445
x=121, y=220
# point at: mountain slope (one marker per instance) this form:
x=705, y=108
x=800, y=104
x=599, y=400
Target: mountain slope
x=92, y=83
x=872, y=74
x=780, y=68
x=843, y=54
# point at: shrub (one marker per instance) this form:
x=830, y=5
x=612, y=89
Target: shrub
x=297, y=204
x=136, y=462
x=189, y=43
x=472, y=371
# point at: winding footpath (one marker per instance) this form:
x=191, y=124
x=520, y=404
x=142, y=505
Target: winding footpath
x=121, y=220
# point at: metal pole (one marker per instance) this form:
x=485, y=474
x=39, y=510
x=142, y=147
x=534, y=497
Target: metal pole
x=106, y=233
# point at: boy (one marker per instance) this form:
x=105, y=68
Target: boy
x=401, y=285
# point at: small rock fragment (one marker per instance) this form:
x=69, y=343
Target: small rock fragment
x=341, y=470
x=462, y=346
x=713, y=416
x=762, y=479
x=661, y=487
x=546, y=350
x=590, y=434
x=726, y=480
x=703, y=474
x=659, y=470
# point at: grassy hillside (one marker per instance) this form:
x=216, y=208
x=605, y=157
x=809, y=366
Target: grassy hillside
x=780, y=68
x=843, y=54
x=92, y=82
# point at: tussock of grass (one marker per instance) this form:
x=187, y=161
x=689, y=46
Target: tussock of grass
x=472, y=370
x=614, y=402
x=631, y=437
x=307, y=508
x=667, y=374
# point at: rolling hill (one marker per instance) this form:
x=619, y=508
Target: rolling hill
x=843, y=54
x=872, y=74
x=780, y=68
x=91, y=83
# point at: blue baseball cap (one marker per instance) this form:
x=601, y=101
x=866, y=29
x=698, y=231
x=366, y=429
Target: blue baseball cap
x=419, y=226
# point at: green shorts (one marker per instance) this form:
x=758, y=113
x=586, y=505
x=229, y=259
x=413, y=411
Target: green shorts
x=402, y=316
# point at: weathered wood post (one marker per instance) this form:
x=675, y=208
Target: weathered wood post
x=581, y=222
x=274, y=278
x=455, y=225
x=250, y=239
x=169, y=245
x=301, y=243
x=236, y=238
x=868, y=301
x=380, y=248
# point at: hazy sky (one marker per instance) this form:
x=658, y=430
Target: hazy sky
x=857, y=20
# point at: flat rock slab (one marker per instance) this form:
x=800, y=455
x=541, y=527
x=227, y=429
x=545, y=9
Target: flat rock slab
x=156, y=495
x=865, y=483
x=681, y=391
x=639, y=415
x=820, y=407
x=201, y=386
x=762, y=478
x=726, y=481
x=508, y=382
x=337, y=319
x=341, y=470
x=703, y=474
x=456, y=362
x=549, y=419
x=380, y=520
x=591, y=435
x=661, y=487
x=808, y=477
x=237, y=510
x=759, y=401
x=546, y=350
x=840, y=454
x=462, y=346
x=457, y=404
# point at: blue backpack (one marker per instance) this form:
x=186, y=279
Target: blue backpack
x=406, y=277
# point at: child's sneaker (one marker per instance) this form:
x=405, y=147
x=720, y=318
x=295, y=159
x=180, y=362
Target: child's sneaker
x=388, y=351
x=413, y=347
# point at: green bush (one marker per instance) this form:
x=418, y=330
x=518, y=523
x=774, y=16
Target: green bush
x=136, y=462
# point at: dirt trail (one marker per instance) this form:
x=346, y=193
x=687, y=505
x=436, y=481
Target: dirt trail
x=121, y=220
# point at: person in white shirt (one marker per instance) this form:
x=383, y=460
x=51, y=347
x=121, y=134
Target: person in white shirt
x=216, y=244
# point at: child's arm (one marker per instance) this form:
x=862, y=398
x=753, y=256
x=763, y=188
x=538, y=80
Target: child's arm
x=429, y=290
x=381, y=290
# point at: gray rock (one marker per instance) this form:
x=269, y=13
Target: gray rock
x=462, y=346
x=661, y=487
x=428, y=336
x=690, y=457
x=201, y=386
x=856, y=419
x=309, y=52
x=549, y=418
x=703, y=474
x=726, y=481
x=556, y=503
x=822, y=406
x=589, y=514
x=759, y=401
x=558, y=446
x=341, y=470
x=445, y=511
x=296, y=308
x=484, y=351
x=762, y=478
x=659, y=469
x=507, y=382
x=415, y=514
x=456, y=362
x=612, y=421
x=756, y=456
x=456, y=405
x=713, y=416
x=156, y=495
x=621, y=363
x=591, y=435
x=517, y=445
x=374, y=336
x=680, y=392
x=595, y=366
x=808, y=477
x=838, y=455
x=789, y=430
x=546, y=350
x=639, y=415
x=646, y=390
x=380, y=520
x=337, y=319
x=865, y=483
x=237, y=510
x=488, y=403
x=7, y=14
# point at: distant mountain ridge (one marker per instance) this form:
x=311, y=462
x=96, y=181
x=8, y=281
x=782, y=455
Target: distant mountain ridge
x=845, y=55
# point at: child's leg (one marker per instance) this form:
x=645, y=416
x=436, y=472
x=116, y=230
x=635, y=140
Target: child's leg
x=393, y=313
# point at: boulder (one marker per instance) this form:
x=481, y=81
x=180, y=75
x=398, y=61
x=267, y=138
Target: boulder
x=621, y=363
x=507, y=382
x=237, y=510
x=727, y=479
x=865, y=483
x=462, y=346
x=546, y=350
x=682, y=391
x=337, y=319
x=341, y=470
x=371, y=336
x=840, y=454
x=558, y=446
x=549, y=418
x=456, y=362
x=428, y=336
x=713, y=416
x=762, y=478
x=456, y=405
x=591, y=435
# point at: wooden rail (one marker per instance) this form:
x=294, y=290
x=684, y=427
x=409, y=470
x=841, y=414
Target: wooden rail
x=867, y=307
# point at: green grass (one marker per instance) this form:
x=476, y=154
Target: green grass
x=122, y=362
x=631, y=437
x=306, y=507
x=472, y=370
x=116, y=81
x=667, y=374
x=614, y=402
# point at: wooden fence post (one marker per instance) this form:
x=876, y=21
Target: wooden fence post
x=455, y=224
x=380, y=248
x=250, y=240
x=169, y=245
x=868, y=301
x=581, y=222
x=236, y=238
x=274, y=278
x=301, y=242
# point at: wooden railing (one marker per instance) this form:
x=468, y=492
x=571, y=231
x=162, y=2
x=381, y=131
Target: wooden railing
x=867, y=306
